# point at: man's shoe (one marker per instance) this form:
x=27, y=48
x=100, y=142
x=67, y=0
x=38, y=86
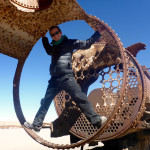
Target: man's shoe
x=103, y=119
x=31, y=126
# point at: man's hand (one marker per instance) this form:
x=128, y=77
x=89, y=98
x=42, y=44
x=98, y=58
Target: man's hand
x=43, y=35
x=102, y=30
x=100, y=40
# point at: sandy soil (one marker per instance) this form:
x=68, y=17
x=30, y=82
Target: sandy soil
x=18, y=139
x=13, y=137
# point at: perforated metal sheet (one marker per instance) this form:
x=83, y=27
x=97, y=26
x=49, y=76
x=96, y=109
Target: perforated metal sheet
x=105, y=99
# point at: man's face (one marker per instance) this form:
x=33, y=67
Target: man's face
x=55, y=34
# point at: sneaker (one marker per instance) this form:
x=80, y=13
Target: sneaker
x=31, y=126
x=103, y=119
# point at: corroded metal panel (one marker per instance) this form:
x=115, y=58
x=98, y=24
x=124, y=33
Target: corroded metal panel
x=20, y=30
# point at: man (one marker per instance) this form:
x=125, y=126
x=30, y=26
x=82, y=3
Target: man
x=61, y=50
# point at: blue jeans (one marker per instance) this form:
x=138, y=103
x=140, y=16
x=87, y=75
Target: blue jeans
x=68, y=84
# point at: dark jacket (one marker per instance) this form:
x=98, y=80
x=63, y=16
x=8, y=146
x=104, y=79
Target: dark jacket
x=62, y=54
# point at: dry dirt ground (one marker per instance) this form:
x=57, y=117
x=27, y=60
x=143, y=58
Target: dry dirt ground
x=13, y=137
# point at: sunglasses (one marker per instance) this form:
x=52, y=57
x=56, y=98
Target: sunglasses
x=56, y=33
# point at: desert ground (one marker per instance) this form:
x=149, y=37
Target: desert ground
x=14, y=137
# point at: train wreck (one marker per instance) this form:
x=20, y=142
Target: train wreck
x=124, y=85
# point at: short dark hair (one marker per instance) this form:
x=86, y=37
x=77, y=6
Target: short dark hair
x=53, y=27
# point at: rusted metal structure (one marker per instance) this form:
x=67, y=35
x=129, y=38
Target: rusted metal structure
x=123, y=94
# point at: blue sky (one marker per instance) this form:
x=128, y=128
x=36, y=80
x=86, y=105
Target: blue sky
x=129, y=18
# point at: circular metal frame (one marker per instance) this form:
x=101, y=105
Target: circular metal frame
x=96, y=24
